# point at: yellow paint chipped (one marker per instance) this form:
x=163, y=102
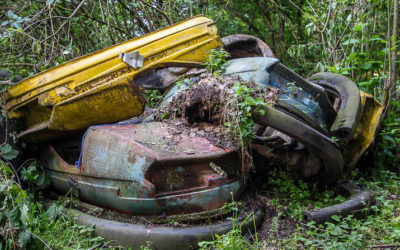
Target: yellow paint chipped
x=97, y=88
x=371, y=111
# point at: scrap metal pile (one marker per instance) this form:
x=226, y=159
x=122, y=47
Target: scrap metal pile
x=180, y=159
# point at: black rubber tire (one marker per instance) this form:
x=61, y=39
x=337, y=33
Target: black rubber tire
x=161, y=237
x=358, y=204
x=348, y=114
x=326, y=149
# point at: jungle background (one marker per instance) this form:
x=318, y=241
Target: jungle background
x=356, y=38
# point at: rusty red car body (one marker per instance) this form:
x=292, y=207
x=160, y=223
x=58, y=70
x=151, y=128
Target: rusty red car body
x=148, y=168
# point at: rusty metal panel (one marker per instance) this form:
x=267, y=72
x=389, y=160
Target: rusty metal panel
x=149, y=168
x=94, y=84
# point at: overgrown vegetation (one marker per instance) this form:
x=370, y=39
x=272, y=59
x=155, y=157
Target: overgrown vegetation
x=381, y=228
x=27, y=222
x=216, y=60
x=234, y=239
x=356, y=38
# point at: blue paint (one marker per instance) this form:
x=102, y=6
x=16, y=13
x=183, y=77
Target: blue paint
x=79, y=161
x=137, y=172
x=261, y=71
x=180, y=170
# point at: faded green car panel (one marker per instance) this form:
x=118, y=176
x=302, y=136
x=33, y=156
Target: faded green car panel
x=148, y=168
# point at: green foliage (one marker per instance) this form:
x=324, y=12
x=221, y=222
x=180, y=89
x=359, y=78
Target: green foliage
x=243, y=101
x=7, y=152
x=15, y=217
x=231, y=240
x=234, y=239
x=147, y=246
x=297, y=196
x=152, y=96
x=35, y=176
x=290, y=198
x=377, y=229
x=14, y=20
x=60, y=233
x=26, y=224
x=388, y=153
x=216, y=60
x=243, y=123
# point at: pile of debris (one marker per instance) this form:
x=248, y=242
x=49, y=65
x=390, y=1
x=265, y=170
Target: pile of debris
x=212, y=99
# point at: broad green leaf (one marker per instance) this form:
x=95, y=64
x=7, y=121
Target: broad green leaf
x=11, y=15
x=250, y=100
x=24, y=237
x=52, y=211
x=43, y=180
x=364, y=84
x=14, y=216
x=351, y=41
x=336, y=218
x=24, y=214
x=360, y=27
x=8, y=152
x=395, y=223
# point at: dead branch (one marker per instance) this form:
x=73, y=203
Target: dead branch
x=245, y=19
x=65, y=22
x=18, y=64
x=159, y=10
x=385, y=246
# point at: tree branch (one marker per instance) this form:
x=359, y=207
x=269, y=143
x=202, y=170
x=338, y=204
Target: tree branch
x=65, y=22
x=245, y=19
x=157, y=9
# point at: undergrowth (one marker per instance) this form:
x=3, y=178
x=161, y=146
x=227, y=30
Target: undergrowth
x=152, y=96
x=378, y=229
x=234, y=239
x=27, y=223
x=216, y=59
x=288, y=229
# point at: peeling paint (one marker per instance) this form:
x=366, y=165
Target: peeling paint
x=129, y=169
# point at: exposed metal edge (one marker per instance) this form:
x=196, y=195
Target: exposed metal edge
x=33, y=129
x=242, y=42
x=134, y=236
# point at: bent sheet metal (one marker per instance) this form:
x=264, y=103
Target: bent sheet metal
x=148, y=168
x=98, y=88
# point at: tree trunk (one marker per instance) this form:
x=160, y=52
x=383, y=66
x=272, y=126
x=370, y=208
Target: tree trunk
x=391, y=82
x=395, y=36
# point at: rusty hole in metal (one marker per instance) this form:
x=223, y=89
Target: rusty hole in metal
x=191, y=174
x=68, y=149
